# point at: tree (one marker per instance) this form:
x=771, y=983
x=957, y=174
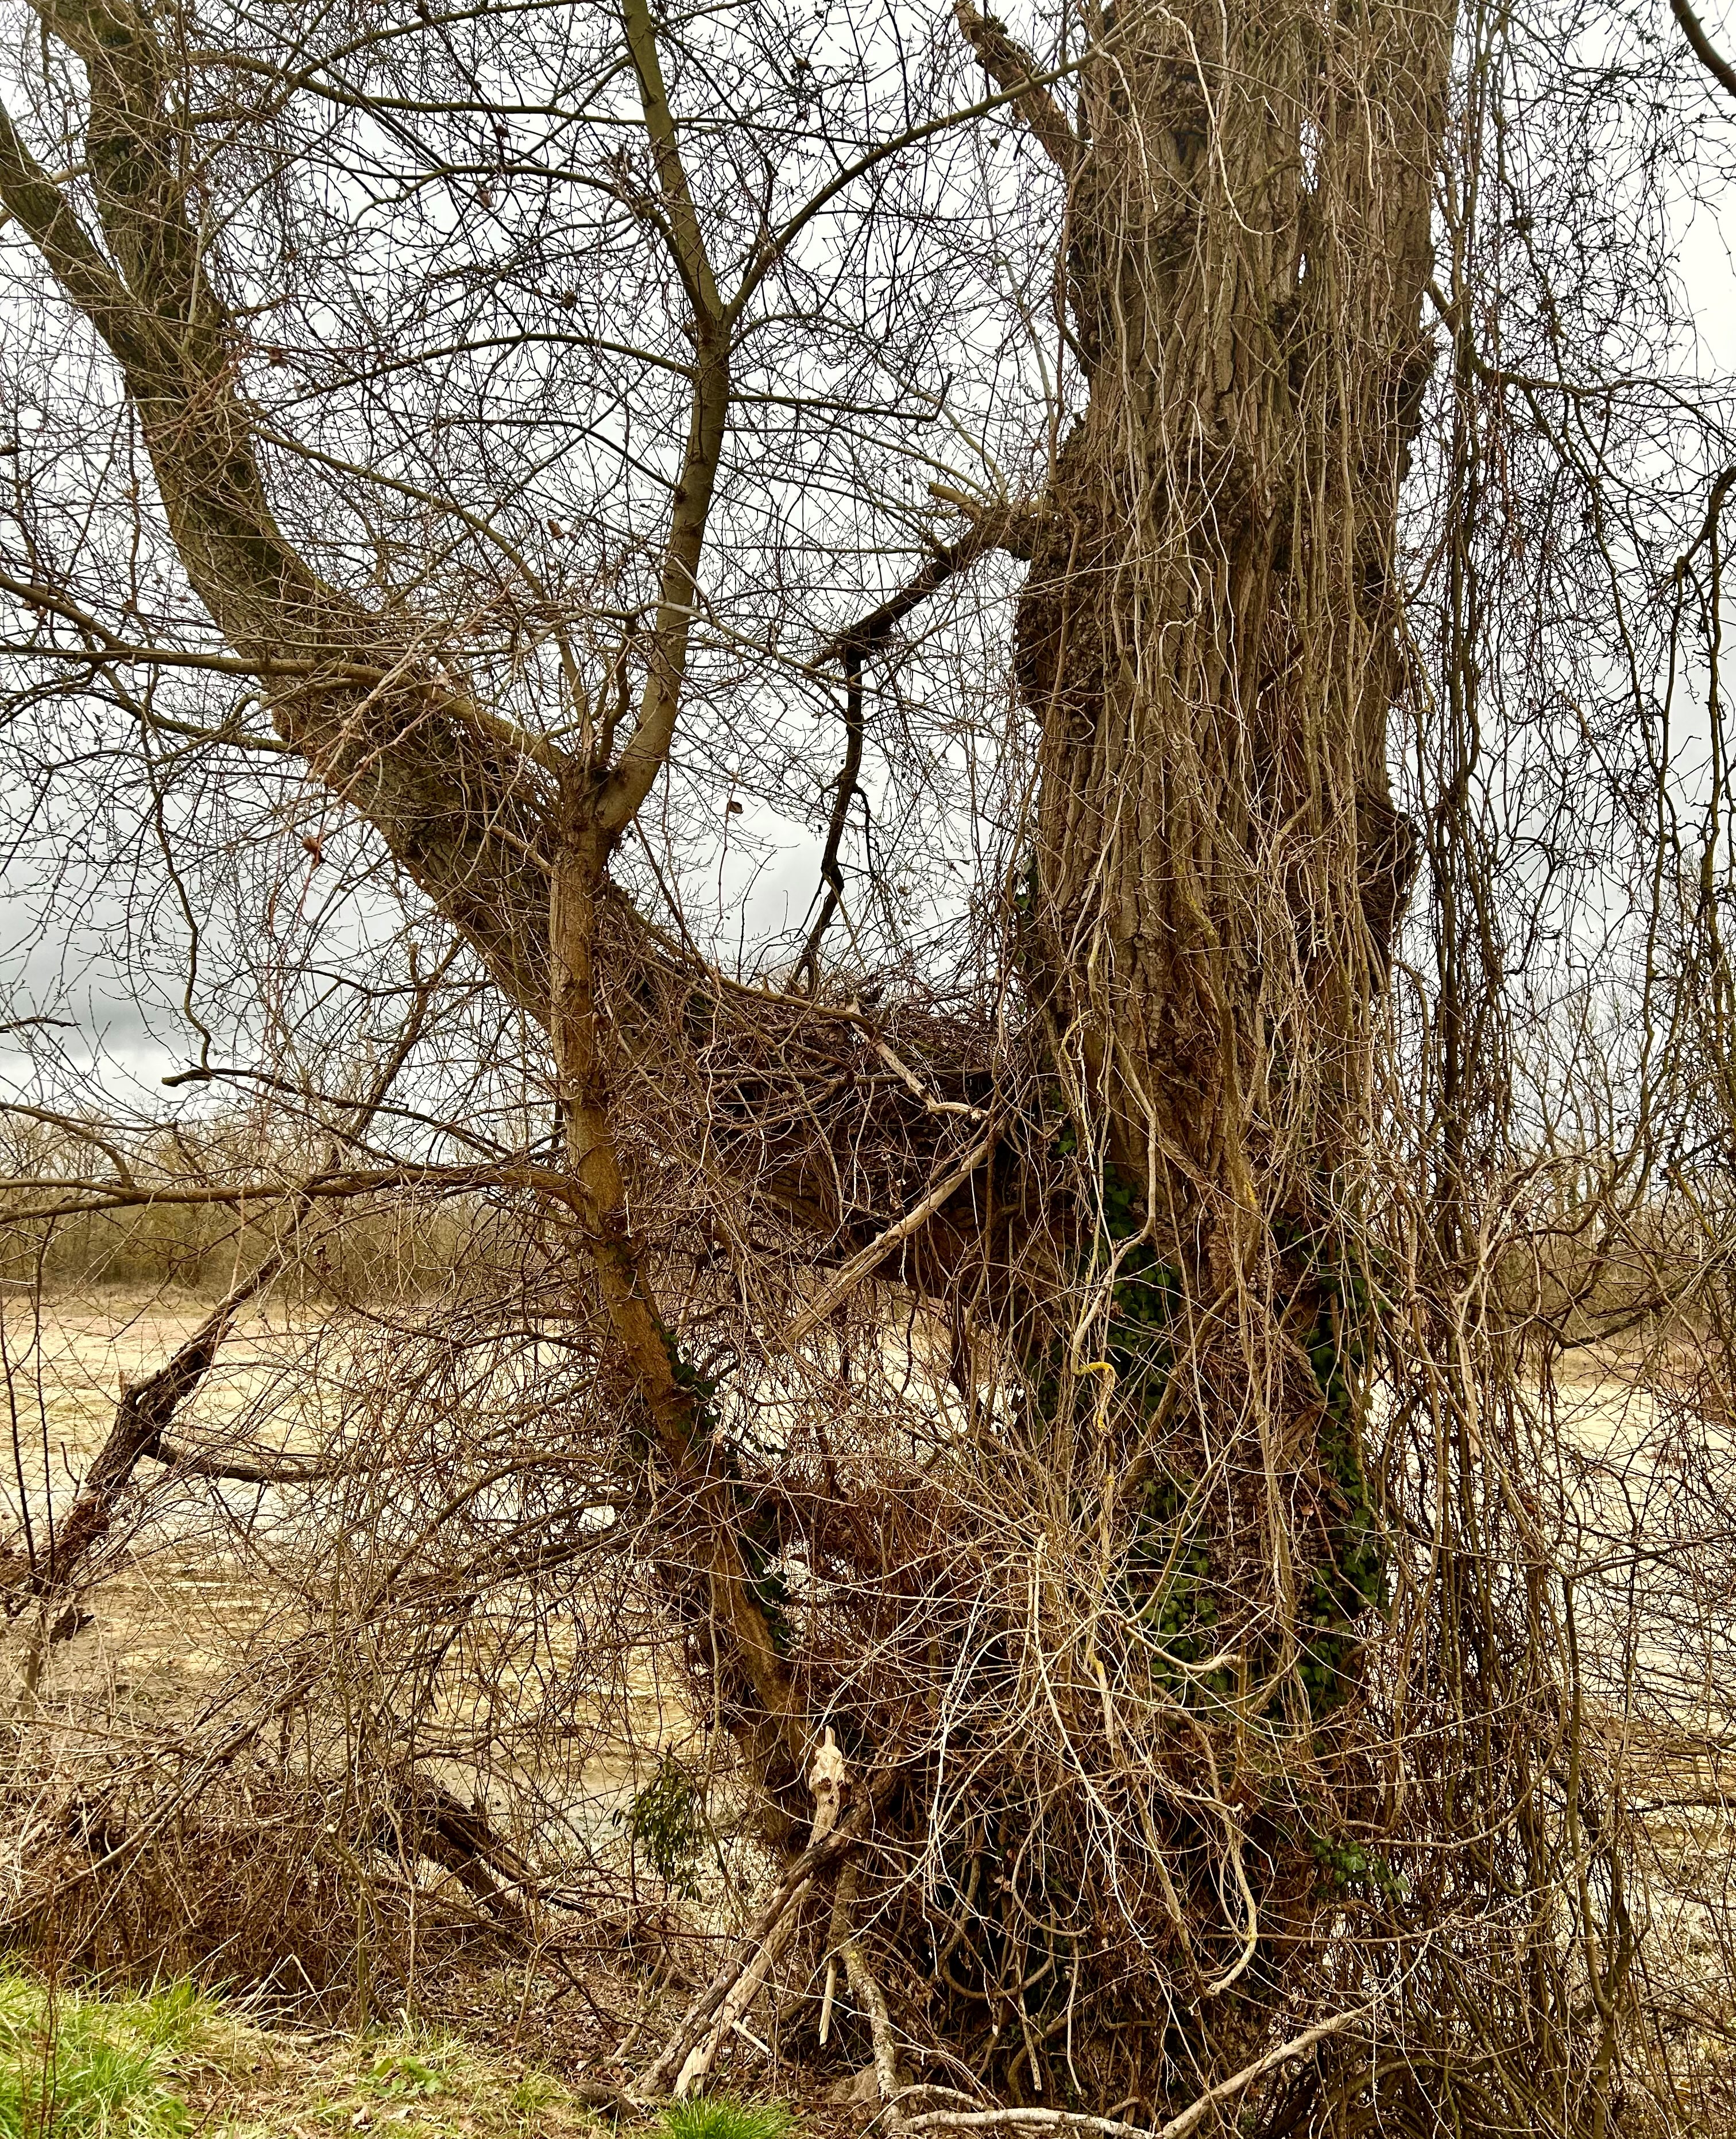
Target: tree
x=530, y=401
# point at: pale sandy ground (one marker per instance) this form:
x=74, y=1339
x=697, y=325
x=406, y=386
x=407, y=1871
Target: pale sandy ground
x=170, y=1623
x=177, y=1613
x=179, y=1627
x=64, y=1368
x=1654, y=1594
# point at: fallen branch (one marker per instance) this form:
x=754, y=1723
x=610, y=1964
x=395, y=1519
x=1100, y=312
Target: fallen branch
x=870, y=1998
x=868, y=1260
x=791, y=1890
x=245, y=1469
x=1109, y=2127
x=696, y=2067
x=433, y=1823
x=141, y=1417
x=148, y=1408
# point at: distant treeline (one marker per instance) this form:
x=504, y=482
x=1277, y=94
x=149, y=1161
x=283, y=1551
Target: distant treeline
x=367, y=1251
x=391, y=1244
x=1572, y=1261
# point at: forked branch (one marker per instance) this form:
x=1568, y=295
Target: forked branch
x=1004, y=527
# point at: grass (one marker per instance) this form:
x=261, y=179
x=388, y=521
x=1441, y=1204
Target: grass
x=421, y=2085
x=75, y=2068
x=170, y=2064
x=722, y=2116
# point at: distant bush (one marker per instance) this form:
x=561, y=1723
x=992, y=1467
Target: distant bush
x=387, y=1246
x=364, y=1252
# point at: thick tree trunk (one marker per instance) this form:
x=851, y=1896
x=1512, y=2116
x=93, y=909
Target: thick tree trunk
x=1210, y=636
x=1210, y=641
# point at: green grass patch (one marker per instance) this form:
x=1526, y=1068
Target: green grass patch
x=417, y=2083
x=722, y=2116
x=77, y=2067
x=172, y=2065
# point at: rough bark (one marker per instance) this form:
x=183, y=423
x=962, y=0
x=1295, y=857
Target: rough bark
x=1210, y=635
x=1210, y=644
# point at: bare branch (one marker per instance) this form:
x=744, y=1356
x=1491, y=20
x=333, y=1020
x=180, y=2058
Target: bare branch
x=398, y=747
x=1704, y=51
x=628, y=782
x=1006, y=62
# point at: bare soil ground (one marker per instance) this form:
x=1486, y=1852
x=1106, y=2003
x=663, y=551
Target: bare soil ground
x=178, y=1610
